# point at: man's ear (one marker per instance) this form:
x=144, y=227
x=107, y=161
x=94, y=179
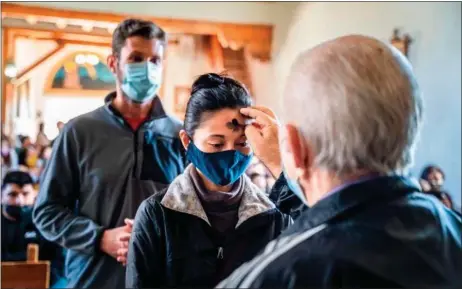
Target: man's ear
x=185, y=140
x=298, y=151
x=112, y=63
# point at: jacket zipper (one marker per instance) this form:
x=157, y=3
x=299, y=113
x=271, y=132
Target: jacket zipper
x=220, y=253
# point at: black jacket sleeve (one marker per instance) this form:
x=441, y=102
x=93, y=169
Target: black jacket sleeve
x=53, y=213
x=145, y=251
x=285, y=200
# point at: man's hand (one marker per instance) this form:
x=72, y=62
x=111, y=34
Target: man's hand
x=124, y=241
x=263, y=136
x=112, y=239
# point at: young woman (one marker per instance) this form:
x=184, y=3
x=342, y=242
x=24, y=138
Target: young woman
x=211, y=219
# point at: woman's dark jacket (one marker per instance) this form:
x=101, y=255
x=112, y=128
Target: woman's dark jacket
x=174, y=245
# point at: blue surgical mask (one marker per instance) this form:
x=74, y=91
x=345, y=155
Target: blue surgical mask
x=141, y=80
x=295, y=187
x=13, y=211
x=221, y=168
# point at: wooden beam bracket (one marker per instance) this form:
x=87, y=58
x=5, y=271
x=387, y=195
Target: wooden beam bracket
x=41, y=60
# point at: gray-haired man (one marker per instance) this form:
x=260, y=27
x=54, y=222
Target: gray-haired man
x=352, y=112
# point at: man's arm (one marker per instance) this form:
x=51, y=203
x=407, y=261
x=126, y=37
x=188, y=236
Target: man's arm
x=53, y=213
x=285, y=200
x=263, y=136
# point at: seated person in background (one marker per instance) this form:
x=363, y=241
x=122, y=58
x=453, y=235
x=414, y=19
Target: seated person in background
x=16, y=188
x=211, y=219
x=432, y=180
x=23, y=151
x=43, y=158
x=60, y=126
x=41, y=140
x=17, y=227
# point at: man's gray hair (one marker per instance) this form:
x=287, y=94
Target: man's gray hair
x=357, y=104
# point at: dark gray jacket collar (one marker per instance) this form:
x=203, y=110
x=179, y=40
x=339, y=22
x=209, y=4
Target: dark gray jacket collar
x=348, y=199
x=157, y=110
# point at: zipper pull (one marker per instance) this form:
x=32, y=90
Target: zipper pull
x=220, y=253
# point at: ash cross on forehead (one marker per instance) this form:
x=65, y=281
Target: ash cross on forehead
x=234, y=125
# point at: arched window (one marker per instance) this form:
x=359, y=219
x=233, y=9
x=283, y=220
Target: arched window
x=81, y=71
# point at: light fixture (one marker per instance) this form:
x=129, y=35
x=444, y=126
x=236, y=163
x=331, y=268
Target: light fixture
x=61, y=23
x=31, y=19
x=11, y=71
x=87, y=27
x=80, y=59
x=92, y=59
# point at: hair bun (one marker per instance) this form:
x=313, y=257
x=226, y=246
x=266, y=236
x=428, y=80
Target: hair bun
x=209, y=80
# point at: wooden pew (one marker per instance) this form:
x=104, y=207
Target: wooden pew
x=29, y=274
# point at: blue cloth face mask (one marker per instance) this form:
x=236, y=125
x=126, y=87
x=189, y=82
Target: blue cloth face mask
x=141, y=80
x=221, y=168
x=295, y=187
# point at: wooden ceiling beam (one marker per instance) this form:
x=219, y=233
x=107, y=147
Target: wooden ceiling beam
x=256, y=38
x=43, y=34
x=39, y=61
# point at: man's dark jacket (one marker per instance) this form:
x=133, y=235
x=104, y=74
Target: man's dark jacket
x=378, y=233
x=99, y=173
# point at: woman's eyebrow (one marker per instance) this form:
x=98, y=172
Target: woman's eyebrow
x=217, y=135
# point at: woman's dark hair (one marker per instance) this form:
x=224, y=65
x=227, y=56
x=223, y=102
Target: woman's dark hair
x=429, y=169
x=211, y=92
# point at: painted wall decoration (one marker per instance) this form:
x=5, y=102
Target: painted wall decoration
x=82, y=72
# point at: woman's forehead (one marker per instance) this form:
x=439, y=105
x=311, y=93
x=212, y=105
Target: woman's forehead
x=219, y=121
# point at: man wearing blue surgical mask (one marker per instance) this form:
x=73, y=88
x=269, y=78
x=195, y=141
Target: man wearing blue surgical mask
x=106, y=162
x=18, y=230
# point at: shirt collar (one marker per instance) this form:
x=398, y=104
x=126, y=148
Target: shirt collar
x=157, y=110
x=362, y=179
x=368, y=191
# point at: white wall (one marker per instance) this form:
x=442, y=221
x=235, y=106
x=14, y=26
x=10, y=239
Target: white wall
x=185, y=62
x=27, y=52
x=435, y=54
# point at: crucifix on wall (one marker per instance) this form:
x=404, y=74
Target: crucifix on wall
x=401, y=43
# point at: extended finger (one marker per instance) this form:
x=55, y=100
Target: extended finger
x=124, y=244
x=122, y=260
x=124, y=237
x=260, y=117
x=122, y=252
x=266, y=110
